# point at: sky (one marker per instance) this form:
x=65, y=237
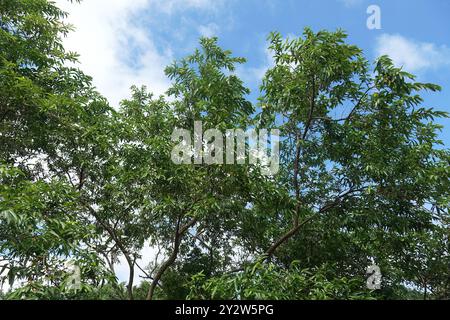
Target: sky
x=129, y=42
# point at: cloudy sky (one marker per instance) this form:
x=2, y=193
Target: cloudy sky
x=129, y=42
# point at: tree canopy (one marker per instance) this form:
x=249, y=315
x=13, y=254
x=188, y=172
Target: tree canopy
x=363, y=175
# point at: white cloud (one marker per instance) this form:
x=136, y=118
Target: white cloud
x=116, y=47
x=351, y=3
x=172, y=6
x=113, y=49
x=412, y=55
x=208, y=30
x=253, y=75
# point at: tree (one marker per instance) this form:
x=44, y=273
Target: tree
x=360, y=184
x=86, y=182
x=291, y=283
x=45, y=106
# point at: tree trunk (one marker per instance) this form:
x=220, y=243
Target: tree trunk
x=173, y=256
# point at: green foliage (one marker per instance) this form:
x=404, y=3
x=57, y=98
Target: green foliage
x=84, y=182
x=270, y=282
x=360, y=186
x=45, y=106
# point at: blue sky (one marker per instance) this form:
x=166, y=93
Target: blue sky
x=126, y=42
